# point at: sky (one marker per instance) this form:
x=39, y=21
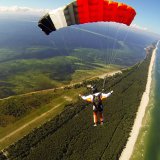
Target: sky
x=148, y=11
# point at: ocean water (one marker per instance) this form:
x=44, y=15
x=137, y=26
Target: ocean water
x=148, y=143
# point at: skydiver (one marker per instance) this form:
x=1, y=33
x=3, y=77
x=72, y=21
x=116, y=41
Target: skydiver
x=96, y=99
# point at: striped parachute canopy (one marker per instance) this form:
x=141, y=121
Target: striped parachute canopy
x=86, y=11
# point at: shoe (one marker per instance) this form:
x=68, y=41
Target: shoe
x=95, y=125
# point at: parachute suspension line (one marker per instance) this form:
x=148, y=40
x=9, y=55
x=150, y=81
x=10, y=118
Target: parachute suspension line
x=100, y=41
x=64, y=42
x=102, y=51
x=126, y=35
x=63, y=38
x=75, y=49
x=107, y=55
x=107, y=31
x=51, y=40
x=106, y=49
x=115, y=40
x=124, y=39
x=111, y=48
x=82, y=47
x=103, y=48
x=78, y=54
x=115, y=49
x=112, y=56
x=46, y=27
x=68, y=33
x=53, y=43
x=104, y=82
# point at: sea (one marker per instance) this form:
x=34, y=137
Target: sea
x=148, y=143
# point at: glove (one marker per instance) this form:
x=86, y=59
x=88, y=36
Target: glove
x=111, y=92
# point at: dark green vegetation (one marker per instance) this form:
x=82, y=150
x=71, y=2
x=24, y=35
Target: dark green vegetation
x=70, y=135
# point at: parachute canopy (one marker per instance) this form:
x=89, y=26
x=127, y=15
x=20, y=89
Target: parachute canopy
x=86, y=11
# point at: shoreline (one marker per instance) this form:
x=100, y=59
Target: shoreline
x=128, y=150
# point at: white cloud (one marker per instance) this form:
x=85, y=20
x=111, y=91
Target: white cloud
x=25, y=10
x=139, y=27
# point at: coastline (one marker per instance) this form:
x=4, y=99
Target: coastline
x=127, y=151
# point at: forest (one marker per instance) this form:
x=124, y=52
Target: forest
x=71, y=135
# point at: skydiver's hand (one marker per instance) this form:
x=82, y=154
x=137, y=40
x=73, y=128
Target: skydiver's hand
x=80, y=95
x=111, y=92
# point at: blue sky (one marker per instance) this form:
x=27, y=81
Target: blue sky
x=148, y=11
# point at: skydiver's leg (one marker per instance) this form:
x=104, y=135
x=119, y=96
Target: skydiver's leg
x=101, y=117
x=95, y=118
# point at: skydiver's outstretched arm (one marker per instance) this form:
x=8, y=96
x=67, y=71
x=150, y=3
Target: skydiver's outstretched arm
x=88, y=98
x=105, y=95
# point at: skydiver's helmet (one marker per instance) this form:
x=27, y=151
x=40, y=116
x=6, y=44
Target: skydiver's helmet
x=94, y=89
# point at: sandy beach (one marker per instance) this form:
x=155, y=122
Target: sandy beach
x=127, y=152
